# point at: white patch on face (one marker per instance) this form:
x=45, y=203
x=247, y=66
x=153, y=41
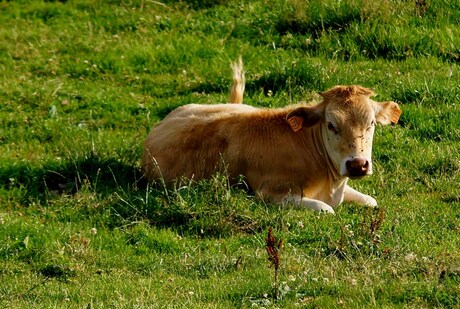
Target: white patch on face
x=349, y=144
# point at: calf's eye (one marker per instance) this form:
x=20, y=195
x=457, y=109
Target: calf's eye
x=331, y=128
x=371, y=125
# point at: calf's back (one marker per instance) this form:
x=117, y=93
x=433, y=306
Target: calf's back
x=195, y=141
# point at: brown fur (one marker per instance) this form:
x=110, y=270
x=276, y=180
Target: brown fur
x=248, y=142
x=276, y=160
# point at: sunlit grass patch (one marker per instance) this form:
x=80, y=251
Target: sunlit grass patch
x=82, y=84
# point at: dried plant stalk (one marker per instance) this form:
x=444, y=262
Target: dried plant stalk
x=273, y=248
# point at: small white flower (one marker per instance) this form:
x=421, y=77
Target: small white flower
x=52, y=111
x=94, y=231
x=300, y=224
x=265, y=302
x=410, y=257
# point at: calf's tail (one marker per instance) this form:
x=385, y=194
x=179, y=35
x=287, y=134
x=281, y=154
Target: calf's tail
x=237, y=90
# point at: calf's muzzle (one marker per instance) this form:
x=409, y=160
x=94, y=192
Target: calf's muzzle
x=357, y=167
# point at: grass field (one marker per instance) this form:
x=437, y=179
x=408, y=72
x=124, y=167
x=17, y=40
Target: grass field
x=83, y=81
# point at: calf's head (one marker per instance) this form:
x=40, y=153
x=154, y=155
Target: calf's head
x=347, y=117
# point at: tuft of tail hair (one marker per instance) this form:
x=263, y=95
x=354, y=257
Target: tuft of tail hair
x=237, y=90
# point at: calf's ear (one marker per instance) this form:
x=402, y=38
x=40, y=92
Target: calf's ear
x=304, y=117
x=387, y=112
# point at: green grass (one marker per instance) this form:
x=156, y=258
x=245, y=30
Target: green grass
x=84, y=81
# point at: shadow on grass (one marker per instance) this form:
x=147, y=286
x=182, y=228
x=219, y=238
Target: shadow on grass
x=95, y=186
x=205, y=208
x=104, y=175
x=276, y=79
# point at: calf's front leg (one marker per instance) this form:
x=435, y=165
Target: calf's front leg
x=309, y=203
x=351, y=195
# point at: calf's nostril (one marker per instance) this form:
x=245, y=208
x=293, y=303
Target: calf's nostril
x=357, y=167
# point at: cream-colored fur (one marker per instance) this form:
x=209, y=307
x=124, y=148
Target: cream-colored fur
x=239, y=82
x=296, y=153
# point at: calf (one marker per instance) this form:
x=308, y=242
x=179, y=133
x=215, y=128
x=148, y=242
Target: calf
x=303, y=154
